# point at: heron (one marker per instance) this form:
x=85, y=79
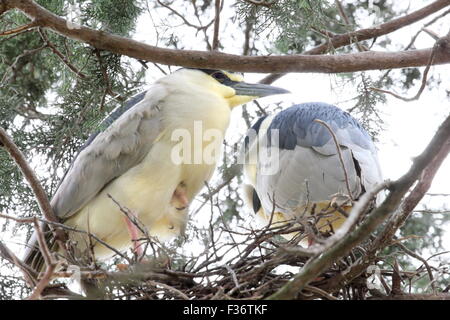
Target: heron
x=130, y=163
x=311, y=160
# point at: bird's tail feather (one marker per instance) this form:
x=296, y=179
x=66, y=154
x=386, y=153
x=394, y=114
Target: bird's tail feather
x=34, y=259
x=33, y=255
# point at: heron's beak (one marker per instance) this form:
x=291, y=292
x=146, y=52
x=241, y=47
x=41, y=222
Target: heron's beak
x=256, y=89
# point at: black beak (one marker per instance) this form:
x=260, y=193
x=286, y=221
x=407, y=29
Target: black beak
x=256, y=89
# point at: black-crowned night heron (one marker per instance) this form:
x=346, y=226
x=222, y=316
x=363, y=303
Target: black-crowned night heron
x=153, y=156
x=293, y=169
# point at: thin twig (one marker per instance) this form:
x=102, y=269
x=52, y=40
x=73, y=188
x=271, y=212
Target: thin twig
x=28, y=273
x=424, y=81
x=347, y=23
x=341, y=159
x=425, y=263
x=60, y=55
x=169, y=288
x=182, y=17
x=38, y=190
x=320, y=292
x=9, y=74
x=20, y=29
x=215, y=43
x=49, y=262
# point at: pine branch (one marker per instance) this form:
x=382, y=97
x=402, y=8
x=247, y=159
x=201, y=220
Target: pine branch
x=279, y=64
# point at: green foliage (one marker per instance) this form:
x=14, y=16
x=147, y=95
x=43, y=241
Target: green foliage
x=410, y=75
x=290, y=20
x=429, y=229
x=116, y=16
x=365, y=107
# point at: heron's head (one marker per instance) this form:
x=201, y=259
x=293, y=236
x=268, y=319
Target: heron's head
x=230, y=86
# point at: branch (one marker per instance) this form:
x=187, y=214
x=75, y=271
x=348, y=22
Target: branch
x=38, y=190
x=28, y=274
x=347, y=23
x=436, y=296
x=430, y=160
x=168, y=288
x=20, y=29
x=49, y=262
x=12, y=69
x=204, y=59
x=215, y=43
x=424, y=261
x=29, y=175
x=262, y=3
x=58, y=53
x=417, y=193
x=384, y=238
x=186, y=22
x=424, y=80
x=365, y=34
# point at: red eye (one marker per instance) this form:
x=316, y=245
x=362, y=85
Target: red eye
x=219, y=76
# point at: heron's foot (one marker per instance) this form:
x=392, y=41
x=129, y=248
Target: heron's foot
x=142, y=260
x=122, y=266
x=340, y=200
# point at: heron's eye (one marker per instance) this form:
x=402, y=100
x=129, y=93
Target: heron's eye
x=219, y=76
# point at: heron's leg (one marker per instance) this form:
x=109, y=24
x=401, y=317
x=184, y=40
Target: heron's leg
x=134, y=235
x=310, y=238
x=179, y=197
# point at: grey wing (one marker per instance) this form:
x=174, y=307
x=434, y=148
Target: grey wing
x=308, y=167
x=129, y=136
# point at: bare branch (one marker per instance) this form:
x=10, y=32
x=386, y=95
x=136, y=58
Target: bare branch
x=341, y=159
x=20, y=29
x=175, y=12
x=431, y=33
x=424, y=261
x=29, y=275
x=211, y=59
x=424, y=80
x=168, y=288
x=215, y=43
x=41, y=196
